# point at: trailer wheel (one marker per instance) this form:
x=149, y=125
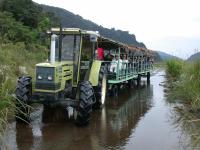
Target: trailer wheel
x=148, y=77
x=23, y=94
x=138, y=80
x=84, y=110
x=130, y=83
x=100, y=92
x=115, y=90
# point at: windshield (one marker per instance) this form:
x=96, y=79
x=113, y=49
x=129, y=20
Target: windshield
x=70, y=44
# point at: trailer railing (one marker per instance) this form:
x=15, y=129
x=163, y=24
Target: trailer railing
x=123, y=71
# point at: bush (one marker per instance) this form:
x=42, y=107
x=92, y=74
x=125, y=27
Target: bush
x=174, y=68
x=188, y=86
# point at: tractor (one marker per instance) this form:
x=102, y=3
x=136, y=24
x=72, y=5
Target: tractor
x=72, y=76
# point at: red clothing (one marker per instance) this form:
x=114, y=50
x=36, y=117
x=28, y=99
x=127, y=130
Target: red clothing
x=100, y=53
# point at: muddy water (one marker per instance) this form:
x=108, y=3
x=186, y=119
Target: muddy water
x=138, y=119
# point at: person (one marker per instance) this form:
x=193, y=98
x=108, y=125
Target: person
x=119, y=63
x=125, y=62
x=100, y=53
x=116, y=64
x=113, y=65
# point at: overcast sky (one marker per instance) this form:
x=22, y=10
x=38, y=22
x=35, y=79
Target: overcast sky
x=172, y=26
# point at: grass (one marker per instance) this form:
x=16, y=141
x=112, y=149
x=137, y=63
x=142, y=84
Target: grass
x=190, y=125
x=187, y=85
x=184, y=87
x=174, y=68
x=15, y=60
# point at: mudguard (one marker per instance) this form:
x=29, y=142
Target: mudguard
x=94, y=73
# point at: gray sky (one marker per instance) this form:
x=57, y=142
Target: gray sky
x=172, y=26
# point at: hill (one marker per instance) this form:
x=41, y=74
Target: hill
x=165, y=56
x=69, y=19
x=194, y=57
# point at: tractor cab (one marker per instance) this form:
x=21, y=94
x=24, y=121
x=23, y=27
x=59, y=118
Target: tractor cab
x=71, y=55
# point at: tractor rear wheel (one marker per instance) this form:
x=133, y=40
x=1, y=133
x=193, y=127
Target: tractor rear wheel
x=23, y=94
x=84, y=110
x=100, y=92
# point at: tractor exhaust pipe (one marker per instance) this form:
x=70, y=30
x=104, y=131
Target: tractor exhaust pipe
x=60, y=42
x=53, y=48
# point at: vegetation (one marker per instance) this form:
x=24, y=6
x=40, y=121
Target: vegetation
x=184, y=86
x=174, y=68
x=75, y=21
x=187, y=85
x=23, y=43
x=194, y=57
x=15, y=60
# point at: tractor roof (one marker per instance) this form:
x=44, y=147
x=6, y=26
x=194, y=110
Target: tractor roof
x=74, y=31
x=102, y=39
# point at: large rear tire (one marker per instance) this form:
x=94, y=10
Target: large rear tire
x=23, y=94
x=101, y=90
x=84, y=109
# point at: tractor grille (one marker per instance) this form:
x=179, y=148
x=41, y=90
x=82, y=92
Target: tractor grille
x=47, y=86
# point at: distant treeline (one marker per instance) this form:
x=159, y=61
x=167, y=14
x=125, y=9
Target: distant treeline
x=24, y=20
x=69, y=19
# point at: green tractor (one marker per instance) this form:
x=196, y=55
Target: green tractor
x=72, y=76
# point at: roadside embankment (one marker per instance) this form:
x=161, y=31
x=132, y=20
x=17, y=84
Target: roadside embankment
x=184, y=82
x=182, y=87
x=15, y=60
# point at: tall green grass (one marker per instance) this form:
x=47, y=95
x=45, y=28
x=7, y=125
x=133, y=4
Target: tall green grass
x=12, y=57
x=174, y=68
x=188, y=86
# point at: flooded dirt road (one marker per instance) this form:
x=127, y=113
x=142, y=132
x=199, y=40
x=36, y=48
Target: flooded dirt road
x=138, y=119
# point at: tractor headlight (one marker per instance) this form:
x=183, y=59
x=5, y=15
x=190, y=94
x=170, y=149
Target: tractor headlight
x=39, y=77
x=50, y=77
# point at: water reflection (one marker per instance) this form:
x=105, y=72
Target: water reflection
x=124, y=113
x=109, y=128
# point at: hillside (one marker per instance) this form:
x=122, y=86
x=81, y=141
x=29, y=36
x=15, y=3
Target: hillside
x=69, y=19
x=165, y=56
x=194, y=57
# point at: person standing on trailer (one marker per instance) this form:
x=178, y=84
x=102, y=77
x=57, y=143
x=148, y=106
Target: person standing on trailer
x=100, y=53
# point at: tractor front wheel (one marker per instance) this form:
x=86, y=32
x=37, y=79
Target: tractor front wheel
x=23, y=94
x=84, y=109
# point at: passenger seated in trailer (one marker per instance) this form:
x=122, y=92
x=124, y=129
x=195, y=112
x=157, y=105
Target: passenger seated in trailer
x=109, y=57
x=136, y=63
x=120, y=63
x=116, y=64
x=125, y=62
x=113, y=64
x=140, y=63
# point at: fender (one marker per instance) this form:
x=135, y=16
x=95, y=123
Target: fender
x=94, y=73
